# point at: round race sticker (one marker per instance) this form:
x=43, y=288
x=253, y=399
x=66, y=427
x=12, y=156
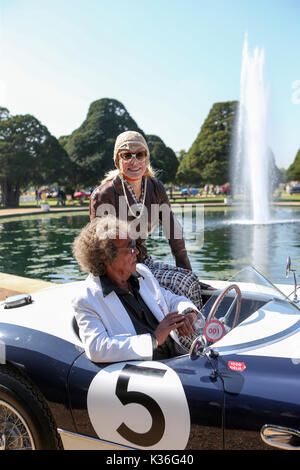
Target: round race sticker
x=214, y=330
x=140, y=404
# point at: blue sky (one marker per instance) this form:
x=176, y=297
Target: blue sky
x=167, y=61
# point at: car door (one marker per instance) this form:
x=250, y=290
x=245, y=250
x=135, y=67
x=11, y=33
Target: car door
x=259, y=390
x=171, y=404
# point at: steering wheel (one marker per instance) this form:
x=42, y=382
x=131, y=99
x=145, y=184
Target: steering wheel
x=220, y=298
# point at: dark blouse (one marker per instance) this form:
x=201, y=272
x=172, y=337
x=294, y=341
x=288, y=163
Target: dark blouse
x=110, y=196
x=141, y=316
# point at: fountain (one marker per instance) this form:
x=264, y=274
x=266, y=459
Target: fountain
x=251, y=159
x=260, y=233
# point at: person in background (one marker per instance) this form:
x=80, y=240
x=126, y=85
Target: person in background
x=38, y=197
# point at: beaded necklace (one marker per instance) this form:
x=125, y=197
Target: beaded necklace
x=141, y=205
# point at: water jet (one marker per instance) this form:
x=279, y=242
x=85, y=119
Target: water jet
x=251, y=159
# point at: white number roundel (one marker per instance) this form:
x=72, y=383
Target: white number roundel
x=214, y=330
x=140, y=405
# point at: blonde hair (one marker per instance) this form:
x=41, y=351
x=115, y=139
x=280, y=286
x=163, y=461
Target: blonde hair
x=111, y=174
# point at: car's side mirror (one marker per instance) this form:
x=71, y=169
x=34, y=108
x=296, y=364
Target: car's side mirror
x=198, y=347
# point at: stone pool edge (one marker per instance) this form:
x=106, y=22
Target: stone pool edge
x=13, y=285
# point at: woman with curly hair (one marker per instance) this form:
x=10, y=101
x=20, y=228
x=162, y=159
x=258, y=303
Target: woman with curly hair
x=121, y=311
x=94, y=246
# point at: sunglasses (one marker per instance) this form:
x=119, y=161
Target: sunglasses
x=140, y=156
x=131, y=248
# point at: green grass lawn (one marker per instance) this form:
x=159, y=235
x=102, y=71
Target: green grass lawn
x=289, y=197
x=53, y=203
x=196, y=199
x=284, y=197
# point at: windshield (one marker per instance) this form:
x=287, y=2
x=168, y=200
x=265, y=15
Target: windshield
x=263, y=313
x=255, y=292
x=251, y=279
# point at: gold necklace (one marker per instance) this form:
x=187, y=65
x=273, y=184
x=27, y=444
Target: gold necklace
x=143, y=202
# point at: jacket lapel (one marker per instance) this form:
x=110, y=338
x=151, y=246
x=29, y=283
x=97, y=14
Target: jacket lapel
x=153, y=297
x=154, y=301
x=117, y=313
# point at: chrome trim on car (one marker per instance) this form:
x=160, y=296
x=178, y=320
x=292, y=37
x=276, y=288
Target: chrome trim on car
x=74, y=441
x=280, y=437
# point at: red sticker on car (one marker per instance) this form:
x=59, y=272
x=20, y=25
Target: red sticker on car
x=214, y=330
x=237, y=366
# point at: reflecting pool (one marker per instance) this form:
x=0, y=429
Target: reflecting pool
x=41, y=246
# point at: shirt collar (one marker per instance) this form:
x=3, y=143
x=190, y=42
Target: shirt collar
x=109, y=286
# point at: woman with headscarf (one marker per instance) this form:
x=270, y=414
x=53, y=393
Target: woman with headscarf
x=132, y=192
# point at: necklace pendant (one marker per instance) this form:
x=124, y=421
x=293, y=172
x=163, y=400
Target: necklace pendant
x=140, y=205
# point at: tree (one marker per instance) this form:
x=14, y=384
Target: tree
x=91, y=146
x=180, y=155
x=293, y=171
x=29, y=154
x=188, y=175
x=163, y=159
x=208, y=159
x=4, y=114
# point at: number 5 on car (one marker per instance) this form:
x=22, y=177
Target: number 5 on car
x=140, y=405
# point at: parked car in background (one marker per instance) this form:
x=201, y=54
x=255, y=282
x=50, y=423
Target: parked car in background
x=193, y=191
x=295, y=189
x=184, y=192
x=189, y=192
x=82, y=195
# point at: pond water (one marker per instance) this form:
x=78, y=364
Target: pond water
x=41, y=247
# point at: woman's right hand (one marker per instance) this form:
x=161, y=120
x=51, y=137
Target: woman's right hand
x=172, y=321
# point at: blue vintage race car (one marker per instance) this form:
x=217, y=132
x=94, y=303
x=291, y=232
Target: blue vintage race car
x=237, y=387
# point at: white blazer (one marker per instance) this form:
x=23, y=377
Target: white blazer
x=105, y=327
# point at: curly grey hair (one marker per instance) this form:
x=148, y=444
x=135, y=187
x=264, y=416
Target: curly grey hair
x=95, y=246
